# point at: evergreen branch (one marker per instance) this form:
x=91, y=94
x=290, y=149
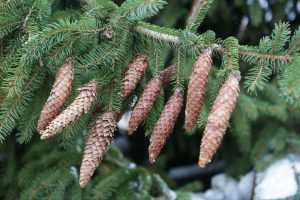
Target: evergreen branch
x=258, y=77
x=199, y=11
x=157, y=35
x=138, y=9
x=231, y=55
x=15, y=106
x=55, y=34
x=289, y=83
x=28, y=16
x=106, y=52
x=294, y=45
x=173, y=37
x=8, y=27
x=280, y=36
x=63, y=47
x=286, y=57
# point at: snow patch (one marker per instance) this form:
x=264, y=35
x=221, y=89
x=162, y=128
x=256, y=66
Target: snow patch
x=277, y=182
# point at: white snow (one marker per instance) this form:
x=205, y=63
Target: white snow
x=227, y=185
x=123, y=123
x=245, y=185
x=277, y=182
x=132, y=166
x=74, y=171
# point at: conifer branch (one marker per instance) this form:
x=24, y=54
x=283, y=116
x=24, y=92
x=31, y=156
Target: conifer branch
x=175, y=39
x=198, y=13
x=286, y=57
x=157, y=35
x=27, y=17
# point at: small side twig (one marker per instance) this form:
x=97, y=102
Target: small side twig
x=23, y=28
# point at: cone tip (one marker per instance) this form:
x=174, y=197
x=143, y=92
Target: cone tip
x=152, y=158
x=43, y=138
x=189, y=127
x=82, y=183
x=202, y=164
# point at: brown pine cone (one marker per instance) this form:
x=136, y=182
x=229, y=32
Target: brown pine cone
x=100, y=138
x=58, y=95
x=77, y=108
x=197, y=89
x=135, y=71
x=147, y=99
x=218, y=119
x=167, y=74
x=165, y=124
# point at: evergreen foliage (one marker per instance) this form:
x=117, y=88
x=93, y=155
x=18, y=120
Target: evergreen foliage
x=37, y=36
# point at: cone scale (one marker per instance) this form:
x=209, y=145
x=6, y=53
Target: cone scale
x=218, y=119
x=99, y=140
x=165, y=124
x=134, y=73
x=60, y=91
x=147, y=99
x=197, y=89
x=77, y=108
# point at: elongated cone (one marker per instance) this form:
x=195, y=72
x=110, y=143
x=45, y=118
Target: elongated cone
x=135, y=71
x=77, y=108
x=60, y=91
x=147, y=99
x=165, y=124
x=197, y=89
x=100, y=138
x=218, y=119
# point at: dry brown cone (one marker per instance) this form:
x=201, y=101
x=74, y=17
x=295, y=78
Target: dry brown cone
x=147, y=99
x=100, y=138
x=165, y=124
x=197, y=89
x=77, y=108
x=60, y=91
x=134, y=73
x=218, y=119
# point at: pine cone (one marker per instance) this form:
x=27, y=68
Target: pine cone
x=58, y=95
x=165, y=124
x=134, y=73
x=80, y=105
x=147, y=99
x=100, y=138
x=197, y=89
x=218, y=119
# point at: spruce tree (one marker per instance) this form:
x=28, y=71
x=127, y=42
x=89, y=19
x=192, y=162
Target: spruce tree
x=70, y=69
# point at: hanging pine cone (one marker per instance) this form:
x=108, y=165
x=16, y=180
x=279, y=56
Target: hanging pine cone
x=134, y=73
x=165, y=124
x=147, y=99
x=77, y=108
x=218, y=119
x=100, y=138
x=197, y=89
x=58, y=95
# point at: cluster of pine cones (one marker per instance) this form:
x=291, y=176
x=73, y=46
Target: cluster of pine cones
x=102, y=132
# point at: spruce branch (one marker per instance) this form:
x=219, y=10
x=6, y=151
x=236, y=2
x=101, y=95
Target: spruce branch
x=138, y=9
x=173, y=37
x=14, y=106
x=286, y=57
x=198, y=13
x=27, y=17
x=157, y=35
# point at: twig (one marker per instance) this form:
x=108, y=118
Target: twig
x=1, y=47
x=28, y=17
x=253, y=186
x=157, y=35
x=216, y=47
